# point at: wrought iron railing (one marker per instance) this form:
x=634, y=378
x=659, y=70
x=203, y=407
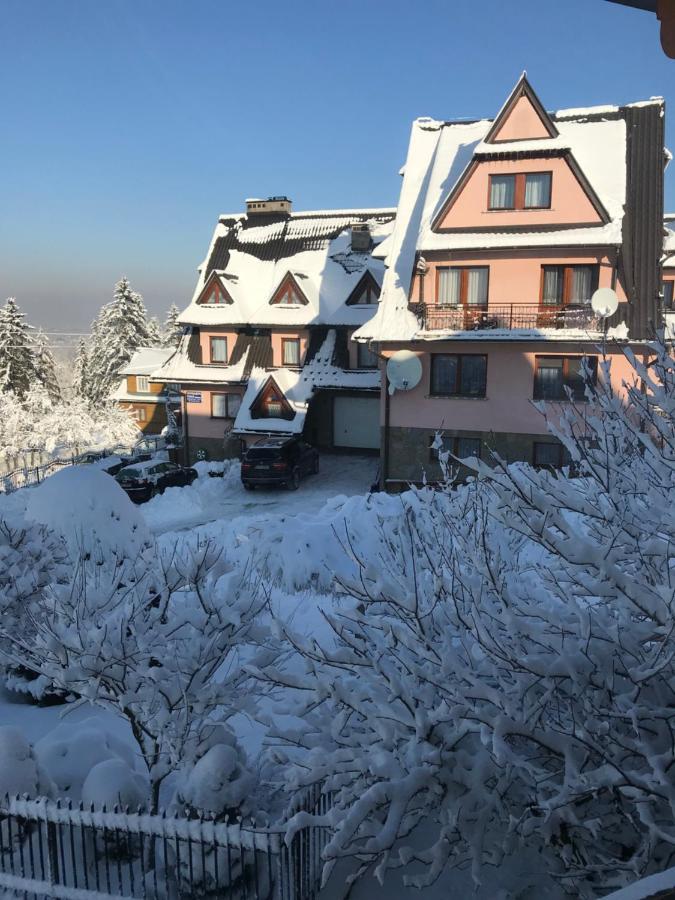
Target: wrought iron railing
x=505, y=317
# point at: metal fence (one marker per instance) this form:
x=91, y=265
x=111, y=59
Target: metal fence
x=505, y=316
x=54, y=850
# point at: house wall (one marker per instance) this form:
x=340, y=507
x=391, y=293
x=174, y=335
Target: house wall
x=668, y=273
x=522, y=123
x=155, y=416
x=569, y=201
x=277, y=346
x=505, y=418
x=205, y=343
x=203, y=431
x=515, y=276
x=132, y=387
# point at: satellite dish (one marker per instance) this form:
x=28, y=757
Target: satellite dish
x=404, y=371
x=604, y=302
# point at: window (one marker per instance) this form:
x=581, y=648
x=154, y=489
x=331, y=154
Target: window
x=366, y=292
x=290, y=351
x=142, y=384
x=365, y=358
x=458, y=375
x=528, y=190
x=462, y=285
x=219, y=350
x=140, y=414
x=668, y=294
x=561, y=285
x=289, y=293
x=225, y=406
x=545, y=453
x=461, y=447
x=555, y=374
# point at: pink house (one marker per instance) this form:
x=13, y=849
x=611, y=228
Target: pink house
x=504, y=230
x=267, y=346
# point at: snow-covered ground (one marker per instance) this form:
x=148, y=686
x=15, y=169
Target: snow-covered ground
x=212, y=499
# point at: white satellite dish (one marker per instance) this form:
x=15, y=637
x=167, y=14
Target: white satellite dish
x=404, y=371
x=604, y=302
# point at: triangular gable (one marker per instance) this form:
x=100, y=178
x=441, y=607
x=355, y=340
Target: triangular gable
x=214, y=291
x=466, y=206
x=522, y=118
x=366, y=291
x=269, y=396
x=289, y=293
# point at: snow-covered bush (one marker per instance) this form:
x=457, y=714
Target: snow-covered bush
x=112, y=783
x=501, y=677
x=159, y=642
x=20, y=770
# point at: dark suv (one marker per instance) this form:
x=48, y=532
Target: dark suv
x=144, y=479
x=278, y=461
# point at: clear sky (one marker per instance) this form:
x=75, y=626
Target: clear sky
x=129, y=125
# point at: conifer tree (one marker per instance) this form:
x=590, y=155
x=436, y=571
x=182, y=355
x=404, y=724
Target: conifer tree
x=45, y=367
x=17, y=366
x=154, y=332
x=81, y=370
x=172, y=330
x=120, y=329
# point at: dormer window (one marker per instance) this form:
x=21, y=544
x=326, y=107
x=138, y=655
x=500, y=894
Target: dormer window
x=289, y=293
x=525, y=190
x=366, y=292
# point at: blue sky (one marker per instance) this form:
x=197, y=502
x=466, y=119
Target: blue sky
x=129, y=125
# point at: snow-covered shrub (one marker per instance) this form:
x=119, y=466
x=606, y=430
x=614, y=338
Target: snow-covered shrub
x=501, y=680
x=161, y=643
x=113, y=783
x=219, y=782
x=92, y=514
x=21, y=771
x=71, y=751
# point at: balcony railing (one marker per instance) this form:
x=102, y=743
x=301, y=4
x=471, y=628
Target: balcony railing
x=505, y=316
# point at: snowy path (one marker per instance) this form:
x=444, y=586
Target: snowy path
x=210, y=499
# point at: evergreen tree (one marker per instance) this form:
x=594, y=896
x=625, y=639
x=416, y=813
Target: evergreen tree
x=172, y=330
x=81, y=369
x=120, y=329
x=17, y=366
x=45, y=367
x=155, y=332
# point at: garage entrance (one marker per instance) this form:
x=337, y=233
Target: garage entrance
x=356, y=422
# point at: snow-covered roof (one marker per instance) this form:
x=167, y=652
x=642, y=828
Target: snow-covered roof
x=298, y=385
x=146, y=359
x=253, y=257
x=121, y=394
x=438, y=156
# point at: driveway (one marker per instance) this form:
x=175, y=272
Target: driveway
x=209, y=499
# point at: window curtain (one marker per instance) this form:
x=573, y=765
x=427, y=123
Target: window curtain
x=219, y=408
x=219, y=350
x=476, y=287
x=553, y=283
x=449, y=286
x=538, y=190
x=582, y=281
x=502, y=191
x=291, y=353
x=233, y=404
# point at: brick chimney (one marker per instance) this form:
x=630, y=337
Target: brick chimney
x=361, y=240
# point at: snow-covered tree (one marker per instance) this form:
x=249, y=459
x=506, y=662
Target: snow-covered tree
x=81, y=369
x=17, y=366
x=45, y=366
x=154, y=332
x=172, y=330
x=157, y=641
x=119, y=330
x=501, y=678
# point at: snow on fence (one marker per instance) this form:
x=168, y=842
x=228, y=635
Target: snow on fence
x=54, y=850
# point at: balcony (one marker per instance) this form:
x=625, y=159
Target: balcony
x=505, y=317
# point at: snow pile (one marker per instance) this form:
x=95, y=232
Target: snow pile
x=219, y=783
x=70, y=752
x=112, y=783
x=20, y=771
x=91, y=512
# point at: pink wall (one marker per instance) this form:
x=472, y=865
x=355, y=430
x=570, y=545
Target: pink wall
x=277, y=347
x=200, y=423
x=569, y=202
x=507, y=406
x=522, y=123
x=516, y=277
x=204, y=340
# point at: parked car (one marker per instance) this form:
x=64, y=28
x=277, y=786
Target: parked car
x=282, y=461
x=142, y=480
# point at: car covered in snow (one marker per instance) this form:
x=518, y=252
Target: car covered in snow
x=142, y=480
x=282, y=461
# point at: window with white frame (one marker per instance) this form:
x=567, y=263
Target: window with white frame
x=225, y=406
x=219, y=350
x=290, y=351
x=142, y=384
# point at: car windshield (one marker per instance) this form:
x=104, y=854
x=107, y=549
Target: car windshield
x=129, y=473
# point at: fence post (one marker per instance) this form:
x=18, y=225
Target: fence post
x=52, y=853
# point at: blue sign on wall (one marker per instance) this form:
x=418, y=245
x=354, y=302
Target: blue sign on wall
x=194, y=398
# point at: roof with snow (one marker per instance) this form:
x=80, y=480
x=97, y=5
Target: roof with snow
x=253, y=255
x=298, y=386
x=440, y=154
x=146, y=359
